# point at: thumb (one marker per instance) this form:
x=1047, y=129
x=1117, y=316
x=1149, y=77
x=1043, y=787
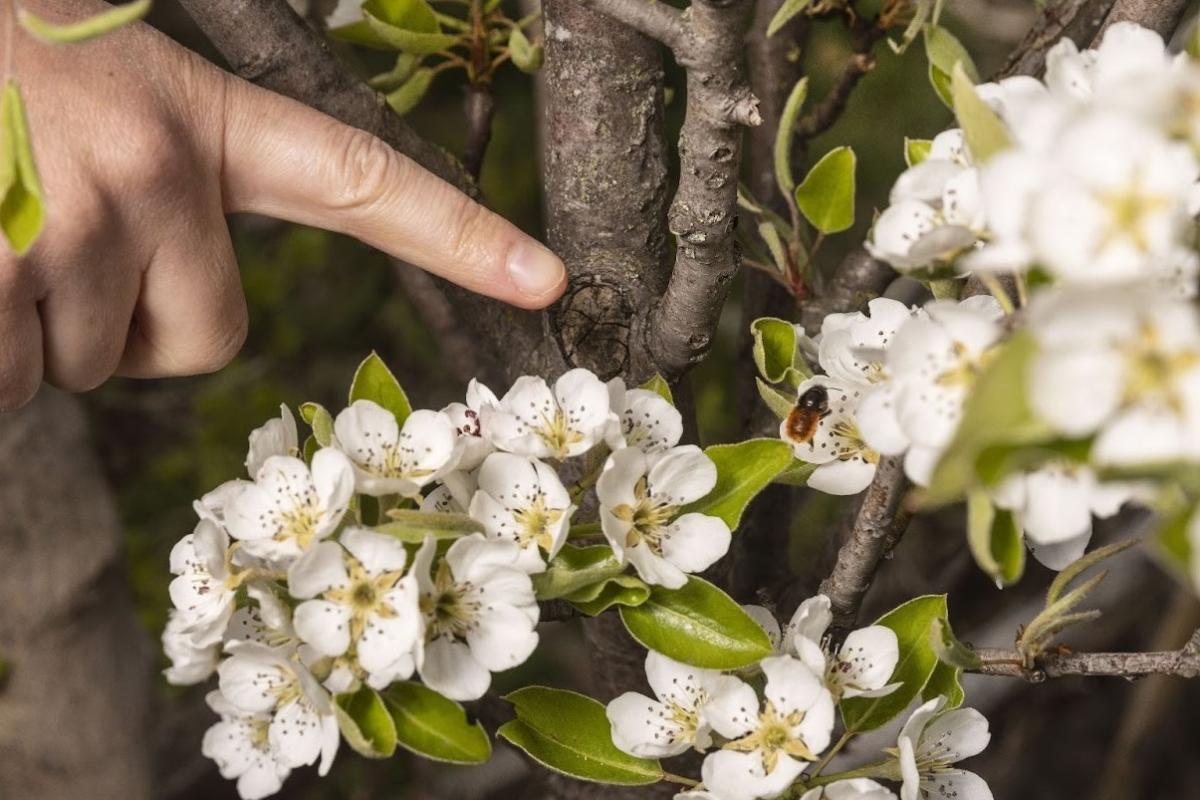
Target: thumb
x=283, y=159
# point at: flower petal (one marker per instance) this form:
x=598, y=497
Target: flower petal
x=694, y=542
x=644, y=728
x=324, y=625
x=682, y=475
x=449, y=669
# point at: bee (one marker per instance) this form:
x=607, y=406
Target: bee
x=811, y=407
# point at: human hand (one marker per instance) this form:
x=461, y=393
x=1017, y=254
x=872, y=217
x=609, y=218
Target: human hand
x=143, y=148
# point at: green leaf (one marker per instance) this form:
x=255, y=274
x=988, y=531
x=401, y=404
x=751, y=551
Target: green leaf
x=435, y=727
x=784, y=15
x=22, y=212
x=743, y=470
x=405, y=98
x=985, y=133
x=911, y=623
x=826, y=197
x=995, y=539
x=408, y=41
x=946, y=681
x=570, y=733
x=1076, y=568
x=628, y=591
x=916, y=150
x=576, y=568
x=412, y=526
x=697, y=624
x=996, y=412
x=770, y=235
x=658, y=384
x=365, y=723
x=942, y=87
x=996, y=462
x=775, y=349
x=780, y=404
x=84, y=29
x=406, y=65
x=797, y=474
x=525, y=56
x=375, y=382
x=783, y=136
x=320, y=421
x=949, y=649
x=944, y=52
x=1174, y=545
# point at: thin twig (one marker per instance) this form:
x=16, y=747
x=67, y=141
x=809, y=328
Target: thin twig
x=831, y=107
x=1183, y=663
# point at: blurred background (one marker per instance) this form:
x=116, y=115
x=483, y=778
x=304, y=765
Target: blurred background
x=320, y=302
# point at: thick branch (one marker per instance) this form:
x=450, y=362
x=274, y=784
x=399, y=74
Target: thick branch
x=880, y=524
x=858, y=280
x=1078, y=19
x=652, y=18
x=1162, y=16
x=1183, y=663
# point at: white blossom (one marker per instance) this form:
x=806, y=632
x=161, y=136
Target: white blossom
x=190, y=664
x=290, y=507
x=480, y=614
x=852, y=789
x=670, y=722
x=532, y=420
x=641, y=498
x=861, y=666
x=769, y=744
x=241, y=746
x=204, y=591
x=276, y=437
x=390, y=459
x=846, y=465
x=931, y=743
x=645, y=419
x=852, y=348
x=358, y=599
x=465, y=417
x=522, y=500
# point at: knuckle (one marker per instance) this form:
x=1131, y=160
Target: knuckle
x=366, y=170
x=148, y=153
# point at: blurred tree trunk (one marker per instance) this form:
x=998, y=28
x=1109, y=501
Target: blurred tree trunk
x=73, y=704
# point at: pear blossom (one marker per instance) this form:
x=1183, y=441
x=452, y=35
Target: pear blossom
x=670, y=722
x=213, y=504
x=356, y=597
x=931, y=366
x=276, y=437
x=290, y=507
x=522, y=500
x=480, y=614
x=769, y=744
x=466, y=421
x=696, y=794
x=204, y=591
x=641, y=498
x=1122, y=363
x=1054, y=506
x=931, y=743
x=846, y=465
x=241, y=746
x=257, y=679
x=852, y=789
x=531, y=420
x=1128, y=70
x=189, y=664
x=645, y=419
x=861, y=666
x=851, y=348
x=389, y=458
x=454, y=494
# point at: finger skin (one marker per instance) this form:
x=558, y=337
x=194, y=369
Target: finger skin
x=285, y=160
x=20, y=355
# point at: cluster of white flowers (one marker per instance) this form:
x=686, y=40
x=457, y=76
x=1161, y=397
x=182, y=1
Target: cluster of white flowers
x=760, y=748
x=292, y=593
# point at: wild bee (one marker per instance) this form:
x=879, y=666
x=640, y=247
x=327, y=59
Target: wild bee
x=811, y=407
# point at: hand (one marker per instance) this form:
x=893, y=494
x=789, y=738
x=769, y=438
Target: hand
x=143, y=148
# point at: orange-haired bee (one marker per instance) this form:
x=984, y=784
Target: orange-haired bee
x=811, y=407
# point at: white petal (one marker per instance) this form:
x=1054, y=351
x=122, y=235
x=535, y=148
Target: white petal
x=816, y=729
x=333, y=479
x=387, y=639
x=654, y=570
x=1075, y=390
x=732, y=775
x=295, y=734
x=1057, y=506
x=843, y=477
x=768, y=623
x=867, y=659
x=622, y=471
x=810, y=621
x=643, y=727
x=877, y=421
x=910, y=789
x=450, y=669
x=1059, y=555
x=791, y=686
x=682, y=475
x=914, y=726
x=926, y=181
x=320, y=569
x=732, y=709
x=324, y=625
x=694, y=542
x=476, y=555
x=276, y=437
x=1140, y=436
x=377, y=552
x=584, y=400
x=512, y=424
x=955, y=735
x=649, y=423
x=251, y=683
x=501, y=638
x=957, y=785
x=681, y=684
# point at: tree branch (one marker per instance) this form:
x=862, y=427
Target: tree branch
x=858, y=280
x=1078, y=19
x=1183, y=663
x=652, y=18
x=1162, y=16
x=831, y=107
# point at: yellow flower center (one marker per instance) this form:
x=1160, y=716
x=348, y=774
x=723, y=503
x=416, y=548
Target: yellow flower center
x=448, y=609
x=557, y=433
x=774, y=737
x=1129, y=209
x=648, y=516
x=364, y=595
x=536, y=523
x=1152, y=372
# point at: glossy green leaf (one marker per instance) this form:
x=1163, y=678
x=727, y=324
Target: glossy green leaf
x=949, y=649
x=911, y=622
x=774, y=349
x=780, y=403
x=320, y=421
x=697, y=624
x=945, y=51
x=526, y=56
x=916, y=150
x=985, y=133
x=785, y=14
x=995, y=539
x=375, y=382
x=406, y=97
x=826, y=197
x=412, y=526
x=946, y=681
x=783, y=136
x=365, y=723
x=84, y=29
x=942, y=86
x=797, y=474
x=408, y=41
x=22, y=212
x=627, y=591
x=406, y=65
x=995, y=413
x=658, y=384
x=435, y=727
x=570, y=733
x=743, y=470
x=576, y=568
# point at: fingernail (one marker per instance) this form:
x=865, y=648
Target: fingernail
x=534, y=270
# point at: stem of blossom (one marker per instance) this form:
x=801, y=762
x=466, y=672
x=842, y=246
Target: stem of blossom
x=829, y=754
x=993, y=285
x=1022, y=289
x=884, y=770
x=681, y=780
